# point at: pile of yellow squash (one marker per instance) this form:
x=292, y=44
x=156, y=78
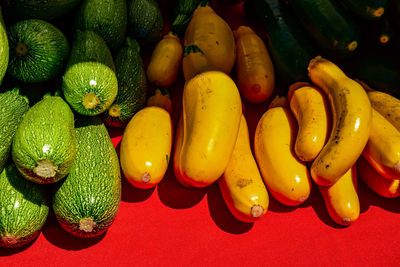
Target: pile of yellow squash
x=325, y=131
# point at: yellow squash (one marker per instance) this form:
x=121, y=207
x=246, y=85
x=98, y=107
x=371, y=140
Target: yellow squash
x=161, y=99
x=286, y=177
x=341, y=199
x=241, y=185
x=254, y=69
x=207, y=132
x=311, y=111
x=194, y=62
x=382, y=186
x=165, y=61
x=383, y=147
x=213, y=36
x=387, y=105
x=351, y=120
x=146, y=147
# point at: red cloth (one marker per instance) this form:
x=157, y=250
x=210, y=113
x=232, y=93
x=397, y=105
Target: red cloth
x=174, y=226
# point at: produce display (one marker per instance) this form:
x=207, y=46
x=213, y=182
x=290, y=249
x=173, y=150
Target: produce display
x=305, y=62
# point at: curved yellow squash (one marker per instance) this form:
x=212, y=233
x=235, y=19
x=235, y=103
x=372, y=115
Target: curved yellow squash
x=311, y=111
x=341, y=199
x=351, y=121
x=382, y=186
x=241, y=185
x=207, y=132
x=165, y=61
x=286, y=177
x=213, y=36
x=146, y=147
x=387, y=105
x=383, y=147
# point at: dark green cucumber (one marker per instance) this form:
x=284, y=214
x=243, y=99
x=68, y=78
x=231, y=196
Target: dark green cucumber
x=44, y=145
x=183, y=13
x=367, y=9
x=38, y=51
x=145, y=21
x=39, y=9
x=23, y=208
x=107, y=18
x=89, y=83
x=87, y=201
x=90, y=87
x=330, y=27
x=378, y=67
x=12, y=108
x=132, y=85
x=4, y=53
x=88, y=46
x=291, y=51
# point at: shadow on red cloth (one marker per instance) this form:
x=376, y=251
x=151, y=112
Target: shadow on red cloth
x=370, y=198
x=221, y=214
x=174, y=195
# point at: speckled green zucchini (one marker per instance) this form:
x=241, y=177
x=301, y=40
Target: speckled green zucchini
x=23, y=208
x=44, y=145
x=145, y=21
x=88, y=46
x=90, y=87
x=132, y=85
x=39, y=9
x=38, y=51
x=87, y=201
x=12, y=108
x=108, y=18
x=4, y=53
x=90, y=83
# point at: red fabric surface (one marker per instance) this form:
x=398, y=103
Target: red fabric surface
x=174, y=226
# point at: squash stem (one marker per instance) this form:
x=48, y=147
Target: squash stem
x=87, y=225
x=90, y=101
x=257, y=211
x=21, y=49
x=114, y=111
x=8, y=240
x=45, y=168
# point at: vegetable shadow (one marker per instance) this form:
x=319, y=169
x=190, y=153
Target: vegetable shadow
x=56, y=235
x=4, y=252
x=132, y=194
x=176, y=196
x=221, y=215
x=370, y=198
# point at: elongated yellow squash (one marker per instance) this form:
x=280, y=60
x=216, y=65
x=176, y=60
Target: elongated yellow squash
x=213, y=36
x=241, y=185
x=312, y=113
x=341, y=199
x=382, y=186
x=207, y=132
x=146, y=147
x=285, y=176
x=165, y=61
x=351, y=121
x=383, y=147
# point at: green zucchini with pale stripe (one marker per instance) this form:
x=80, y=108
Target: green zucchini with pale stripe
x=108, y=18
x=90, y=84
x=87, y=201
x=38, y=51
x=12, y=108
x=23, y=208
x=44, y=145
x=4, y=53
x=132, y=85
